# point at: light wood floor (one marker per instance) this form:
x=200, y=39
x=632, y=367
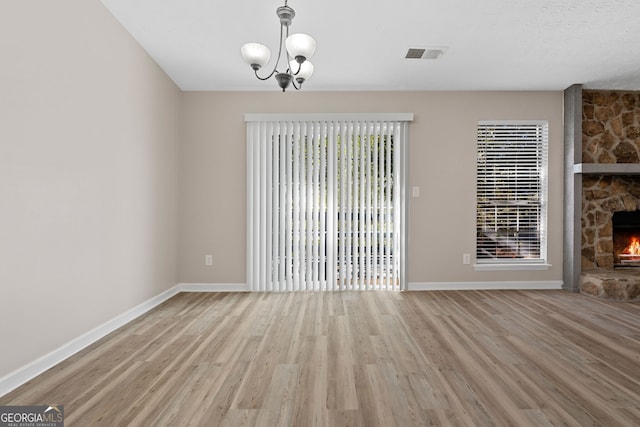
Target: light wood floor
x=485, y=358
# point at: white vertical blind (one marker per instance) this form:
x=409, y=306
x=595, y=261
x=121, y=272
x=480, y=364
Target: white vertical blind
x=511, y=191
x=325, y=202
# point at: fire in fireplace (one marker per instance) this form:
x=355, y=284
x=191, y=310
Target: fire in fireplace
x=626, y=239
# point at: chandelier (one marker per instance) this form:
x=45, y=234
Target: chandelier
x=299, y=48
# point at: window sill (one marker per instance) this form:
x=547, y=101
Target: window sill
x=512, y=267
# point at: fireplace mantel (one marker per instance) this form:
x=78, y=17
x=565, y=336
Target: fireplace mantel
x=607, y=168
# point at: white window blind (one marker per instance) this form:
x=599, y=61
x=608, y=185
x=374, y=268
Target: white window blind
x=511, y=192
x=326, y=210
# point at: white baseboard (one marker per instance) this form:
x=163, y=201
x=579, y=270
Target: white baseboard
x=213, y=287
x=31, y=370
x=38, y=366
x=468, y=286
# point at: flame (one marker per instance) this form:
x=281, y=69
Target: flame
x=633, y=248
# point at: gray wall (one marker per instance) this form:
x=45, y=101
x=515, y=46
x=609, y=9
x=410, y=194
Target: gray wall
x=442, y=163
x=88, y=175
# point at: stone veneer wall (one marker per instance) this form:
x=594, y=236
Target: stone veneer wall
x=610, y=134
x=610, y=127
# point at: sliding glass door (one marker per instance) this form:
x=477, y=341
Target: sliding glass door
x=326, y=206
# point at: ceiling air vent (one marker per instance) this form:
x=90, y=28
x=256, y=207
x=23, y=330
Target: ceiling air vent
x=426, y=53
x=415, y=53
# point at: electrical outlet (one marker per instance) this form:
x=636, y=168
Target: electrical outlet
x=208, y=260
x=415, y=192
x=466, y=258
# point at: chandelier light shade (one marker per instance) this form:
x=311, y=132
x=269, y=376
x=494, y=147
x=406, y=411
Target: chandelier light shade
x=298, y=48
x=304, y=70
x=300, y=45
x=256, y=54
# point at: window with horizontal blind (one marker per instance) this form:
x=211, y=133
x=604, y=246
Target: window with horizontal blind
x=511, y=192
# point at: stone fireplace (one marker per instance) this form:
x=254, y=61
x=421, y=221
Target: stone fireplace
x=610, y=194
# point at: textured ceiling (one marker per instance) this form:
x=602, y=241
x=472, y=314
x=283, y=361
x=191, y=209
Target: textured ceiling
x=491, y=44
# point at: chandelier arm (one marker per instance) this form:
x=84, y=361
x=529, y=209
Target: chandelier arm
x=267, y=77
x=289, y=70
x=275, y=67
x=279, y=48
x=293, y=82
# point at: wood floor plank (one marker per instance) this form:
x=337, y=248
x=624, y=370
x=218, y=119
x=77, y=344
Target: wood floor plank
x=444, y=358
x=310, y=405
x=280, y=397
